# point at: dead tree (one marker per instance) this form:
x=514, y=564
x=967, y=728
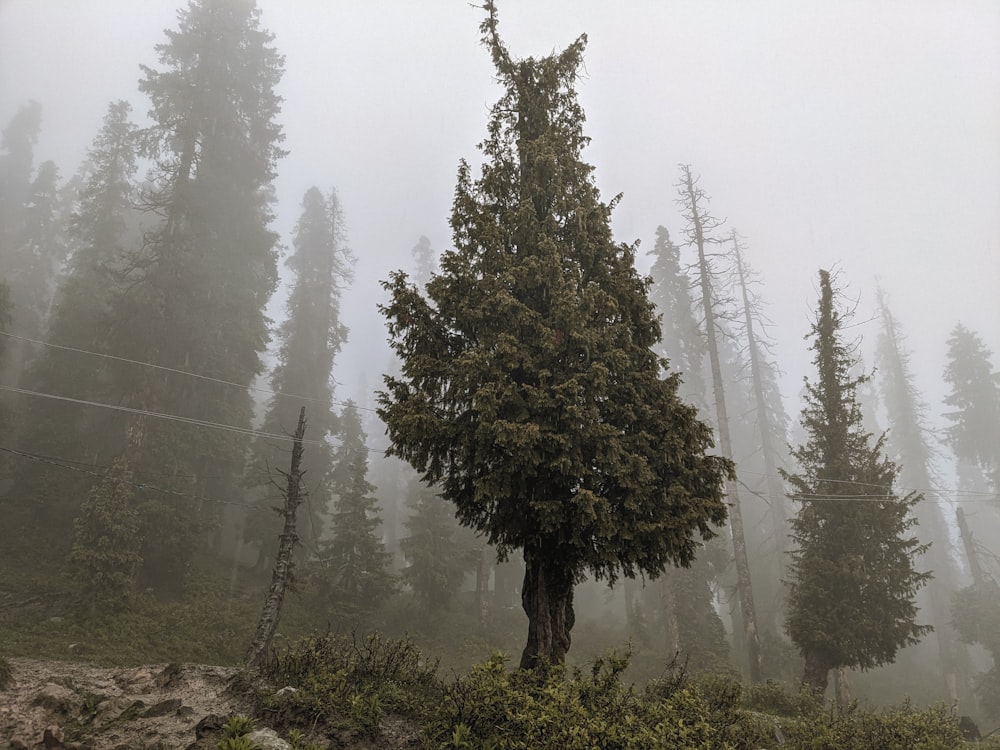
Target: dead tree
x=700, y=224
x=270, y=616
x=765, y=427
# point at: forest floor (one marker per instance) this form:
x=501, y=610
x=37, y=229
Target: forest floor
x=61, y=704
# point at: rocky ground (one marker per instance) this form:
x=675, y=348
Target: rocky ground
x=57, y=704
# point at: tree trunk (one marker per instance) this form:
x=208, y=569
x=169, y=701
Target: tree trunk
x=775, y=491
x=816, y=674
x=671, y=626
x=270, y=616
x=547, y=599
x=744, y=588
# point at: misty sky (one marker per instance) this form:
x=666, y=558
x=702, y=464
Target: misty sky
x=857, y=134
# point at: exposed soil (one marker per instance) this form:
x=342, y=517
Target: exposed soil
x=75, y=704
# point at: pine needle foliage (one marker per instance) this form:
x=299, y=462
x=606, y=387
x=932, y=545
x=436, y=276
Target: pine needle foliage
x=853, y=582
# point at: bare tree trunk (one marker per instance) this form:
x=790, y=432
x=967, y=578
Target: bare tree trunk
x=816, y=674
x=270, y=616
x=775, y=490
x=482, y=587
x=547, y=599
x=970, y=550
x=671, y=627
x=744, y=588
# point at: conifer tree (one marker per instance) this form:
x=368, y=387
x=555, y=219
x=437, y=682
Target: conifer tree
x=700, y=226
x=105, y=555
x=852, y=575
x=103, y=232
x=682, y=342
x=311, y=337
x=353, y=569
x=437, y=557
x=761, y=448
x=17, y=164
x=529, y=392
x=908, y=441
x=974, y=403
x=690, y=622
x=199, y=286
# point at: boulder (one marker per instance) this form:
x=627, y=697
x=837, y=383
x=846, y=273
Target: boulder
x=268, y=739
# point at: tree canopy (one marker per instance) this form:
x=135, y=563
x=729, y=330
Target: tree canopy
x=529, y=391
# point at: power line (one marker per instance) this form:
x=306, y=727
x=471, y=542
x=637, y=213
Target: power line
x=889, y=488
x=141, y=486
x=171, y=417
x=181, y=372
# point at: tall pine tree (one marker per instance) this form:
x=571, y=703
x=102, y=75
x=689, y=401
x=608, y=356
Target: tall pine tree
x=853, y=580
x=311, y=337
x=199, y=287
x=529, y=392
x=690, y=623
x=103, y=230
x=974, y=405
x=909, y=442
x=353, y=569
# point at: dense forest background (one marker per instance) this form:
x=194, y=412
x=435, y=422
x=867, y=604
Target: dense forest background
x=173, y=296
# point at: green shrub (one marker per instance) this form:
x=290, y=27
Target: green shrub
x=898, y=728
x=350, y=681
x=499, y=709
x=779, y=700
x=234, y=734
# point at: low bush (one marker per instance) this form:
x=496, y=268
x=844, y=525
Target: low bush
x=348, y=682
x=497, y=709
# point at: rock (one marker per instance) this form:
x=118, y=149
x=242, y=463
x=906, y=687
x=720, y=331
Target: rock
x=137, y=680
x=57, y=698
x=287, y=690
x=268, y=739
x=169, y=674
x=211, y=724
x=52, y=738
x=163, y=708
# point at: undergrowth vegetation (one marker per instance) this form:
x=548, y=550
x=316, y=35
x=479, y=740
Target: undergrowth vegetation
x=353, y=682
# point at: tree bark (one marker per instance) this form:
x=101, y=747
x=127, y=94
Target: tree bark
x=270, y=616
x=816, y=674
x=547, y=599
x=671, y=626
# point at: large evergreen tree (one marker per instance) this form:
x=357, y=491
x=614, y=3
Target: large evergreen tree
x=437, y=557
x=311, y=337
x=529, y=391
x=853, y=581
x=690, y=623
x=353, y=569
x=909, y=443
x=17, y=163
x=199, y=286
x=974, y=403
x=103, y=232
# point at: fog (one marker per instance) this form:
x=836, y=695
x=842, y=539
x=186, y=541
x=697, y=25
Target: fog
x=847, y=134
x=859, y=137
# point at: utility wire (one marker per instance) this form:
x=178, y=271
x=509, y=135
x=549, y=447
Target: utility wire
x=180, y=372
x=141, y=486
x=171, y=417
x=888, y=487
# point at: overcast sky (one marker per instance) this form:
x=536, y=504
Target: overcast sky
x=852, y=134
